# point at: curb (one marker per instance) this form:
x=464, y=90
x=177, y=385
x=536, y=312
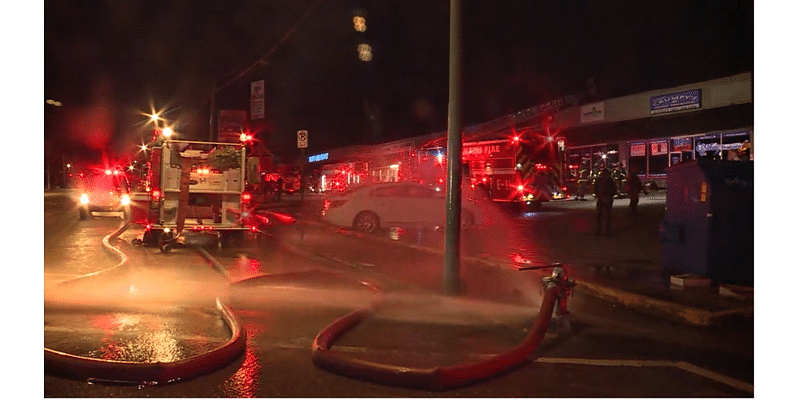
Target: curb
x=690, y=315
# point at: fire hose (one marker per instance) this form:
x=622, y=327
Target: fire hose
x=557, y=288
x=137, y=372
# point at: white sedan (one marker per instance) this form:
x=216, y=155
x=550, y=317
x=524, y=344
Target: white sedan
x=372, y=207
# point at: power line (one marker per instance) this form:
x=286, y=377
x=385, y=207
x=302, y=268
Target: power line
x=263, y=60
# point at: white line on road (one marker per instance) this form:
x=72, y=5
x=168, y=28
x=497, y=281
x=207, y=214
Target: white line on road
x=688, y=367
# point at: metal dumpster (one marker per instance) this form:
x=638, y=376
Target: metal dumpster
x=708, y=223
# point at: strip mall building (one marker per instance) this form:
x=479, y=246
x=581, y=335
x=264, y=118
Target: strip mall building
x=646, y=132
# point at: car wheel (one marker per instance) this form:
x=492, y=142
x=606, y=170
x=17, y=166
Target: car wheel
x=367, y=222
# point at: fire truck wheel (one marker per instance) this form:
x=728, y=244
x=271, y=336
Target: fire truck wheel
x=166, y=248
x=232, y=239
x=367, y=222
x=150, y=238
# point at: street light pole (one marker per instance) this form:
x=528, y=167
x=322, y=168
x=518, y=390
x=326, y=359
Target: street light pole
x=451, y=282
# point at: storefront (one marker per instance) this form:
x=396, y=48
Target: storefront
x=342, y=176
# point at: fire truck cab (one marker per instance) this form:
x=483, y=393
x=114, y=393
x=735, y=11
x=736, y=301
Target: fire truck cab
x=193, y=189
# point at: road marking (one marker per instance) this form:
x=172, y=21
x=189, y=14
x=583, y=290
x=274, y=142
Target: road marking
x=688, y=367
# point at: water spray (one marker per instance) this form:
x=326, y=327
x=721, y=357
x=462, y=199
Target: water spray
x=557, y=287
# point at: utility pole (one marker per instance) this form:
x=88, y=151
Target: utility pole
x=451, y=281
x=212, y=110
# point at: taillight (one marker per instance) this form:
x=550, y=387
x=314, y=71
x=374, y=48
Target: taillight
x=246, y=197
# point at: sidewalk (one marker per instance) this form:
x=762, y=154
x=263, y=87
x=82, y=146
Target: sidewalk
x=624, y=268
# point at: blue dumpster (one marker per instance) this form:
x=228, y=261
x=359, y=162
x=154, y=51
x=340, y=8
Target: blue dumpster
x=708, y=223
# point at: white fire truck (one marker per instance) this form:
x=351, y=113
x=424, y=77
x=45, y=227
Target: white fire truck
x=194, y=191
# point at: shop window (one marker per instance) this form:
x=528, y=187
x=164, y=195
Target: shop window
x=736, y=146
x=707, y=147
x=659, y=158
x=637, y=157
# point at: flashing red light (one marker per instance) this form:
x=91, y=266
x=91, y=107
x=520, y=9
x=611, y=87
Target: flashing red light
x=246, y=197
x=483, y=179
x=156, y=195
x=520, y=188
x=516, y=138
x=440, y=180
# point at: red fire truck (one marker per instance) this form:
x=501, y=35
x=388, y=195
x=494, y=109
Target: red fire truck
x=521, y=172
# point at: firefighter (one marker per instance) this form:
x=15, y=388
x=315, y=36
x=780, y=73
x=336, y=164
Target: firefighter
x=583, y=180
x=279, y=185
x=634, y=186
x=620, y=178
x=604, y=189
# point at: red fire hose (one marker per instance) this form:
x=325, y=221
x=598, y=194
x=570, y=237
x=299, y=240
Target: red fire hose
x=437, y=378
x=136, y=372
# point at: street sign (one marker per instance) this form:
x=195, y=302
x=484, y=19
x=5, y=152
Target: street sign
x=302, y=139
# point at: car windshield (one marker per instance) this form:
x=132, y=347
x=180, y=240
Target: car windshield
x=102, y=182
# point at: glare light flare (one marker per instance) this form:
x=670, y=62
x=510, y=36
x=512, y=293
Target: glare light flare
x=364, y=52
x=359, y=24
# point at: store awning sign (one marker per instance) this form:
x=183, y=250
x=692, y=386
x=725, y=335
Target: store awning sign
x=592, y=112
x=675, y=102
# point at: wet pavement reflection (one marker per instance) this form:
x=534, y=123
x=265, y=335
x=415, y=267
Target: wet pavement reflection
x=133, y=335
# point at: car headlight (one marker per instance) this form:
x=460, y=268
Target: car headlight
x=125, y=200
x=84, y=198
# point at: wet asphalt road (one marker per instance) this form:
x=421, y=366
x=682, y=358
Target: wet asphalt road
x=163, y=308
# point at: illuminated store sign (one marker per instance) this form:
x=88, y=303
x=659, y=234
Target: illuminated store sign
x=675, y=102
x=318, y=157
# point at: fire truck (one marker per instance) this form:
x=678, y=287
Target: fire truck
x=194, y=191
x=517, y=171
x=523, y=173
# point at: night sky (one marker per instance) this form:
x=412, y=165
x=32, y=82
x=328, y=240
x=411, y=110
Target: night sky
x=108, y=62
